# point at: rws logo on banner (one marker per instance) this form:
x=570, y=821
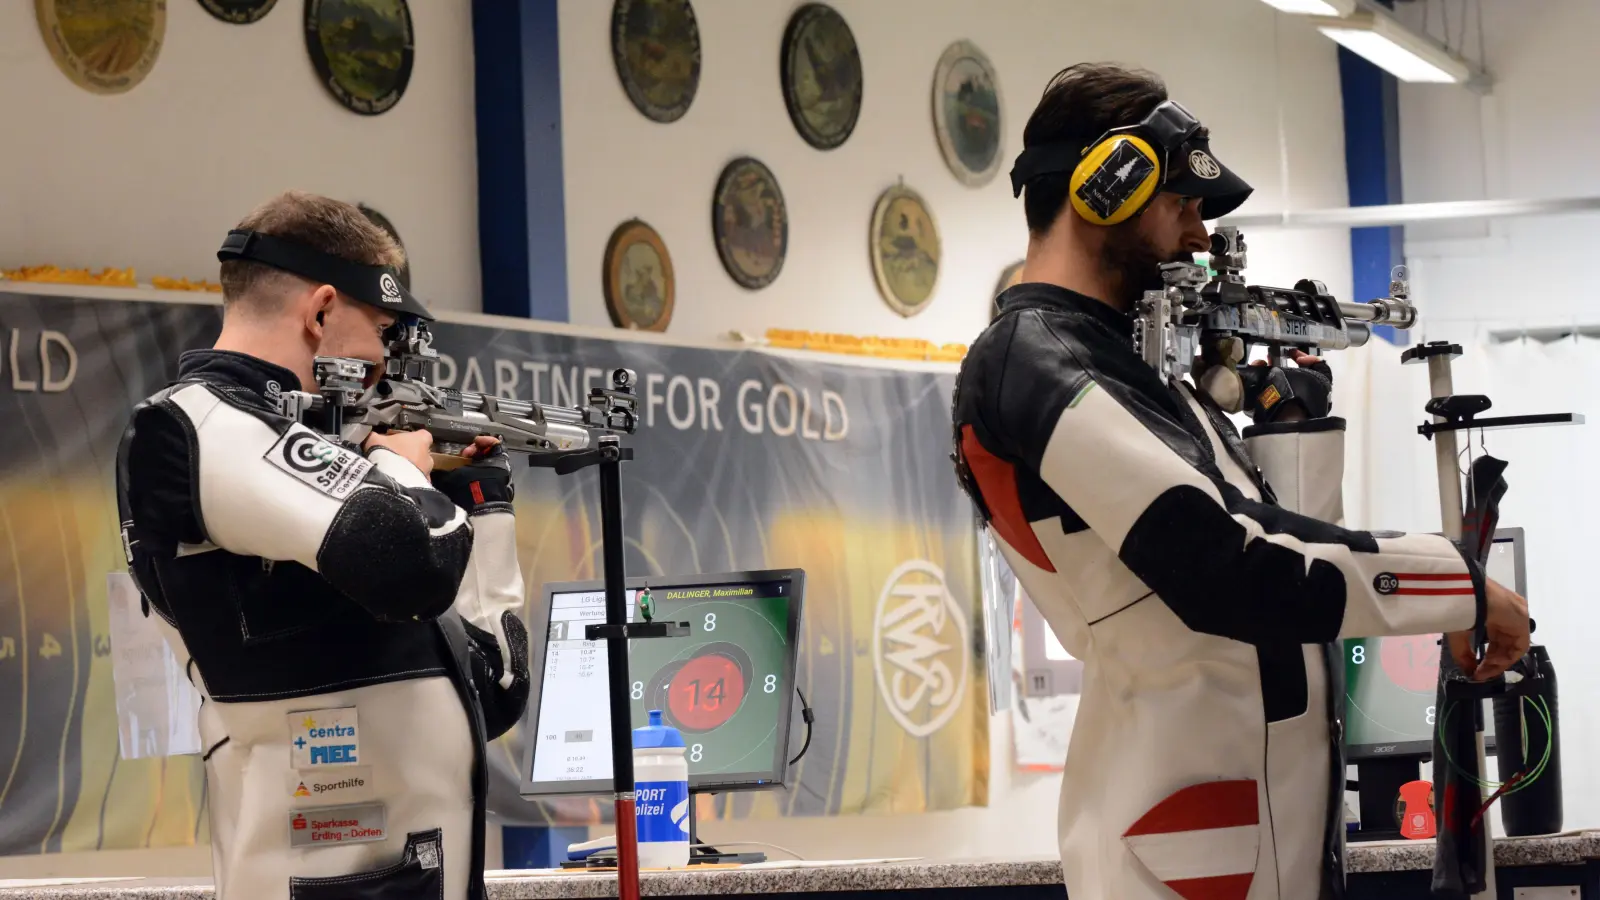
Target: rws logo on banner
x=919, y=648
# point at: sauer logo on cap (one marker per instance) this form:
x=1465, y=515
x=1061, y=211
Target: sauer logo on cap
x=389, y=288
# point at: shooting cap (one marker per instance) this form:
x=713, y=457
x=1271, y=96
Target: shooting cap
x=1196, y=173
x=373, y=285
x=1115, y=176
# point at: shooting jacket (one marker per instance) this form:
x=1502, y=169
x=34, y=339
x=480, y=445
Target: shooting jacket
x=1205, y=582
x=320, y=602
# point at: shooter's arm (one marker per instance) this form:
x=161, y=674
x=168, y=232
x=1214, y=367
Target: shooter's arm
x=1223, y=563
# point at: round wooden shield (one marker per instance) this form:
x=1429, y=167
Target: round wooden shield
x=1011, y=276
x=238, y=12
x=362, y=49
x=656, y=46
x=750, y=223
x=905, y=250
x=966, y=113
x=382, y=221
x=821, y=72
x=638, y=278
x=106, y=47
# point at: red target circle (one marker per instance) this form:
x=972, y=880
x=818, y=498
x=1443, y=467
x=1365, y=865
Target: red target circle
x=1411, y=662
x=706, y=692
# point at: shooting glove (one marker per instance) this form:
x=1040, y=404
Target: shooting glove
x=1269, y=390
x=481, y=484
x=502, y=705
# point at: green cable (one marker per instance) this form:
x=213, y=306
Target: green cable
x=1541, y=707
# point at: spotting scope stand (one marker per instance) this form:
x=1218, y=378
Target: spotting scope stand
x=1454, y=413
x=608, y=454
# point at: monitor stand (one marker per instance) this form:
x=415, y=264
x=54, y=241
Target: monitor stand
x=711, y=856
x=698, y=855
x=1379, y=782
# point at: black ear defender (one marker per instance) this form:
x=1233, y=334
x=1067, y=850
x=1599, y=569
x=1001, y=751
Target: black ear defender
x=1115, y=176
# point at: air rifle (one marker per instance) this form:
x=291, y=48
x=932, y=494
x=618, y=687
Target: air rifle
x=1175, y=325
x=404, y=400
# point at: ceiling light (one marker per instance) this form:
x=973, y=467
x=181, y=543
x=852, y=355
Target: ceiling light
x=1396, y=49
x=1314, y=7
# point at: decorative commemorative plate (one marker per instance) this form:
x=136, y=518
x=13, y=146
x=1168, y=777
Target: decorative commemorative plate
x=382, y=221
x=1011, y=276
x=638, y=278
x=238, y=12
x=821, y=72
x=966, y=113
x=363, y=51
x=104, y=46
x=750, y=223
x=905, y=250
x=656, y=46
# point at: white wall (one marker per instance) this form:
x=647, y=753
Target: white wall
x=1532, y=137
x=229, y=116
x=1236, y=63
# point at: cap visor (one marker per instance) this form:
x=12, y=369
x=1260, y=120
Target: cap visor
x=1222, y=193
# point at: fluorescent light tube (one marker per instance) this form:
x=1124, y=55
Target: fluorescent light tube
x=1396, y=49
x=1314, y=7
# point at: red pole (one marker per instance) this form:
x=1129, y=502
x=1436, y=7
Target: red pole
x=627, y=849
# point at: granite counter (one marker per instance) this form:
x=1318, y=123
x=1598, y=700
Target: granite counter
x=1011, y=878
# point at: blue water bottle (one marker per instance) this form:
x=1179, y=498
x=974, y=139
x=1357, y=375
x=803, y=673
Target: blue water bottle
x=661, y=795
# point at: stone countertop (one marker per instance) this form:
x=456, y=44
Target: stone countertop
x=782, y=876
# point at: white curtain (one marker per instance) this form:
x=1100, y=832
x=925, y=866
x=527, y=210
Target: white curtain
x=1390, y=482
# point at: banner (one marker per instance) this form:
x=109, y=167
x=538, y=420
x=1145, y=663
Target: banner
x=744, y=460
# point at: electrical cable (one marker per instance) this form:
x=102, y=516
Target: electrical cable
x=809, y=717
x=1518, y=780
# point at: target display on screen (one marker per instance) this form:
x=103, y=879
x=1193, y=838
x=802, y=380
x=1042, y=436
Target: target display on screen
x=1390, y=682
x=727, y=686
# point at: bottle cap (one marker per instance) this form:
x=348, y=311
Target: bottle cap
x=656, y=734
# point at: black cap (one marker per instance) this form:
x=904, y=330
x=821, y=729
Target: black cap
x=377, y=286
x=1197, y=173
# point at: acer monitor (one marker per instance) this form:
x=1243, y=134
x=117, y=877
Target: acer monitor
x=728, y=686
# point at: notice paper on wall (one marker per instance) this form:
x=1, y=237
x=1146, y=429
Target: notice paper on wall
x=158, y=710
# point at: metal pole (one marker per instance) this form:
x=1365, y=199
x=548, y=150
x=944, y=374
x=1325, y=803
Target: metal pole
x=1451, y=505
x=1441, y=384
x=617, y=667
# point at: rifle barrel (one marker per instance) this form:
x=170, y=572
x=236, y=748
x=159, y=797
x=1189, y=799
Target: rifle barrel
x=556, y=415
x=1383, y=311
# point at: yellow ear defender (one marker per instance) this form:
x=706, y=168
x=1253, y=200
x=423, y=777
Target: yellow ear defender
x=1115, y=176
x=1115, y=179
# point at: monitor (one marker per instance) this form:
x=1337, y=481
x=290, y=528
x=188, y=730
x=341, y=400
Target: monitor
x=1391, y=682
x=728, y=685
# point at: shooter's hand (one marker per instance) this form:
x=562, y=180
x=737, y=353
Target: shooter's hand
x=484, y=481
x=1506, y=621
x=481, y=446
x=411, y=445
x=1281, y=394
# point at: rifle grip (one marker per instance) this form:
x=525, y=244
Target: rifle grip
x=443, y=462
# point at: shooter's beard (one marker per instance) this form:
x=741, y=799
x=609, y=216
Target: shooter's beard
x=1133, y=264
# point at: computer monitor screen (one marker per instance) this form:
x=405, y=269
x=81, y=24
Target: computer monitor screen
x=1390, y=682
x=728, y=685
